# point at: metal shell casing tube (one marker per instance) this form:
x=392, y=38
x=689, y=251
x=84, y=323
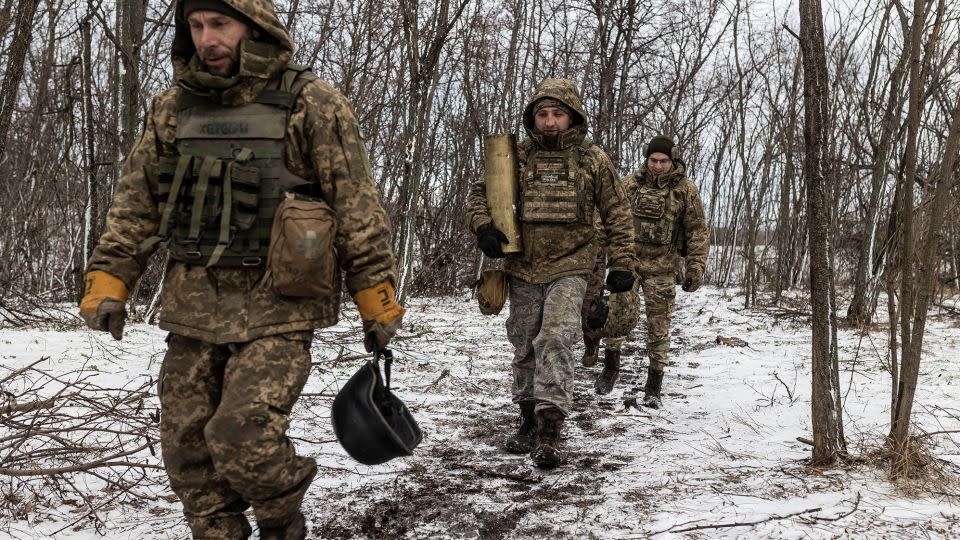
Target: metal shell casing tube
x=501, y=175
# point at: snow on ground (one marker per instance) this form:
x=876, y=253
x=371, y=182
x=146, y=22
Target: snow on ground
x=720, y=460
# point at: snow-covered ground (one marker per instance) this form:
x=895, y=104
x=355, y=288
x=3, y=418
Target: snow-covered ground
x=720, y=460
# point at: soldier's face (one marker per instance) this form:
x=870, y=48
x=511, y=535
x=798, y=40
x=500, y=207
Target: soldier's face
x=659, y=163
x=551, y=120
x=217, y=38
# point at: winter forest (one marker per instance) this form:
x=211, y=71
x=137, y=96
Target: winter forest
x=813, y=384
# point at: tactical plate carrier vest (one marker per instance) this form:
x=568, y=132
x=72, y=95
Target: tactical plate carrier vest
x=655, y=213
x=218, y=197
x=553, y=187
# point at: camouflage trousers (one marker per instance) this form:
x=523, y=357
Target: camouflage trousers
x=224, y=416
x=659, y=293
x=543, y=327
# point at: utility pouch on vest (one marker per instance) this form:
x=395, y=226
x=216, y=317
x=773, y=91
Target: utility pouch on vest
x=550, y=195
x=649, y=206
x=651, y=222
x=302, y=260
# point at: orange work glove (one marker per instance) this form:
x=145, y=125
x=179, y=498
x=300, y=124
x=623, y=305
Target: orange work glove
x=381, y=315
x=104, y=303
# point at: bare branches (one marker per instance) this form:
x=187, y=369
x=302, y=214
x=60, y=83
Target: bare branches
x=64, y=425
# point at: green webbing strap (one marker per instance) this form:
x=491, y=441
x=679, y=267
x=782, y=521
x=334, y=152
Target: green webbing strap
x=276, y=97
x=199, y=196
x=225, y=232
x=286, y=94
x=164, y=230
x=186, y=100
x=286, y=84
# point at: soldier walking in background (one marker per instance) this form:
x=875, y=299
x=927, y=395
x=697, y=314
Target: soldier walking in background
x=669, y=222
x=221, y=153
x=564, y=181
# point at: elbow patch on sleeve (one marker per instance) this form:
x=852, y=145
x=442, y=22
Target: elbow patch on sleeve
x=354, y=148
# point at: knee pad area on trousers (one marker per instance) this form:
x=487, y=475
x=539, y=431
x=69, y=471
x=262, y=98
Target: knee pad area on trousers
x=244, y=440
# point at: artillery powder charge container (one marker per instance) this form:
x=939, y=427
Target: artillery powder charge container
x=501, y=174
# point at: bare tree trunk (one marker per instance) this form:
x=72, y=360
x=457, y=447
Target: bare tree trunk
x=92, y=208
x=784, y=217
x=900, y=428
x=858, y=313
x=11, y=78
x=930, y=262
x=133, y=16
x=825, y=409
x=423, y=71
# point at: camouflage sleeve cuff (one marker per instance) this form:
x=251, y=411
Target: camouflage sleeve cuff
x=479, y=221
x=620, y=264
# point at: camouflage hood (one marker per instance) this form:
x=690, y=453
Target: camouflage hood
x=564, y=91
x=260, y=58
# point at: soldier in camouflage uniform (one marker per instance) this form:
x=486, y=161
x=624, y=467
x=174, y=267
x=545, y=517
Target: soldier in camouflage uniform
x=669, y=222
x=240, y=128
x=564, y=182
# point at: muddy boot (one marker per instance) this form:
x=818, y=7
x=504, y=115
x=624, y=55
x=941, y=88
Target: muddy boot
x=293, y=530
x=547, y=454
x=521, y=442
x=651, y=391
x=591, y=350
x=611, y=370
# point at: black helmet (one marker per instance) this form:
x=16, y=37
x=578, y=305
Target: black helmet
x=371, y=423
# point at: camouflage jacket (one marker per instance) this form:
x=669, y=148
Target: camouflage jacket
x=669, y=222
x=324, y=145
x=557, y=211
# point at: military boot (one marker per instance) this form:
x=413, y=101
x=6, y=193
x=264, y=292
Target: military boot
x=521, y=442
x=611, y=370
x=651, y=391
x=546, y=454
x=591, y=350
x=293, y=530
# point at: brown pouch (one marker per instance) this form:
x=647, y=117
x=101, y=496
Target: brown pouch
x=302, y=260
x=492, y=290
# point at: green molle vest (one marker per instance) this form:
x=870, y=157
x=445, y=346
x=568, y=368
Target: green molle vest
x=655, y=214
x=219, y=195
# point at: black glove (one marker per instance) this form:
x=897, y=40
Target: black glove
x=489, y=240
x=619, y=281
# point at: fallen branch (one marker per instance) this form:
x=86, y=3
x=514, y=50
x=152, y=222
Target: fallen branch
x=856, y=504
x=775, y=517
x=105, y=462
x=483, y=471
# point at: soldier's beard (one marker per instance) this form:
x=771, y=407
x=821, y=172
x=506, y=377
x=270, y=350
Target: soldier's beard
x=223, y=63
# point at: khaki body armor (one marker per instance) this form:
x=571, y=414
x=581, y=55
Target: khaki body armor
x=218, y=197
x=554, y=188
x=656, y=214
